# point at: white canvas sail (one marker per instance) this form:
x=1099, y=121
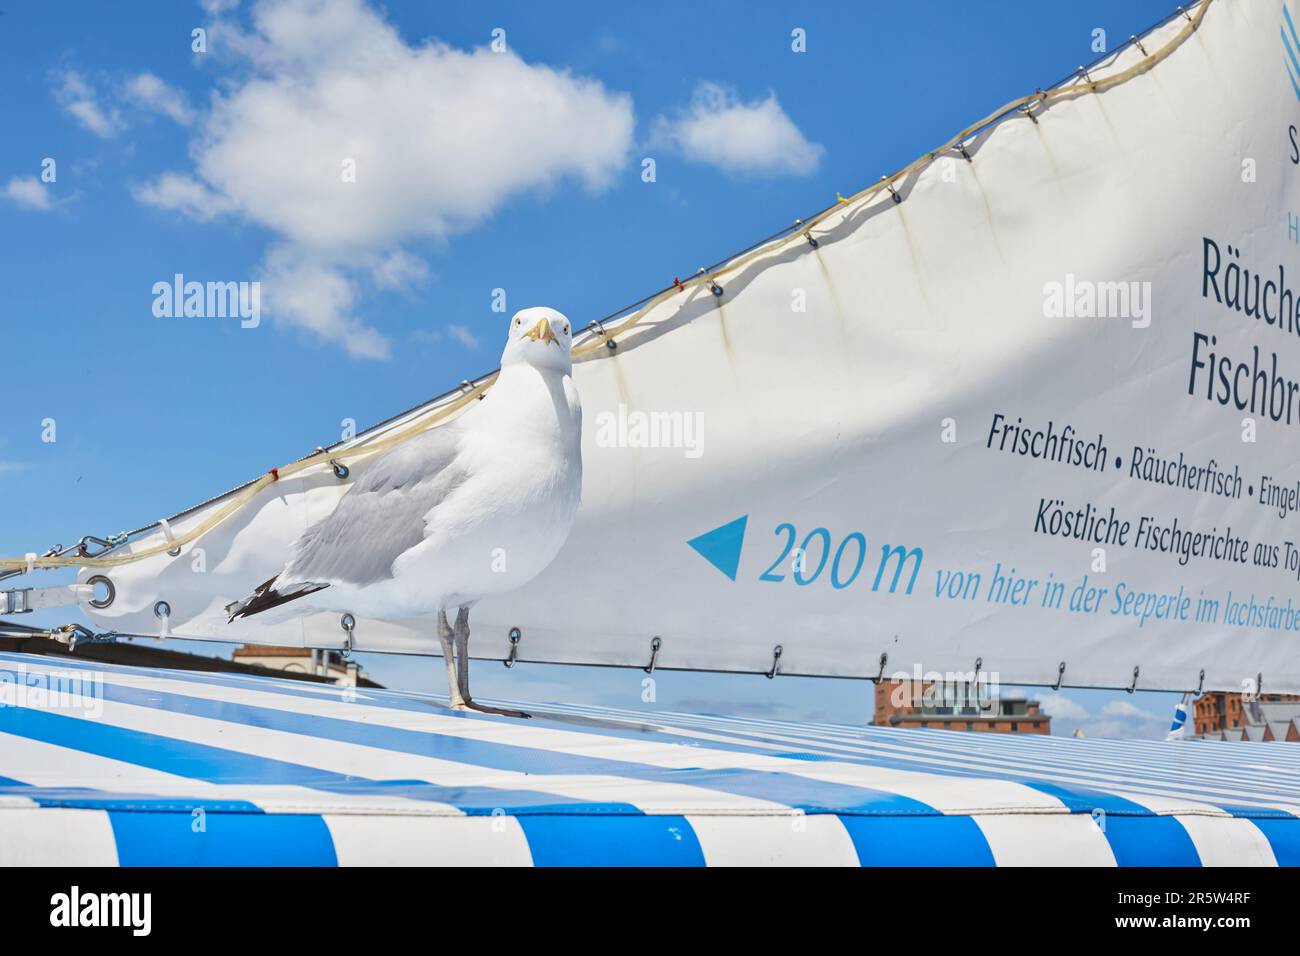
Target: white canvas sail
x=969, y=424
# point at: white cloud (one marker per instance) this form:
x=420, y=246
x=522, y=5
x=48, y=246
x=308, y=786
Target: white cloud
x=749, y=138
x=1060, y=707
x=183, y=194
x=217, y=7
x=149, y=91
x=305, y=292
x=79, y=99
x=463, y=335
x=399, y=268
x=27, y=191
x=1123, y=719
x=441, y=138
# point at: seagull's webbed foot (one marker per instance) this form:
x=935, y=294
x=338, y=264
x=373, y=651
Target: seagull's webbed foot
x=485, y=709
x=462, y=662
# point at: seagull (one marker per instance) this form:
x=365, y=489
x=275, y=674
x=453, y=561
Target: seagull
x=470, y=509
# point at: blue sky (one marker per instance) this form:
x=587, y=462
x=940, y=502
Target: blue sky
x=170, y=161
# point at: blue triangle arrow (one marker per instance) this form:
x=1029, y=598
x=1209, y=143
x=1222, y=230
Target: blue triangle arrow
x=721, y=546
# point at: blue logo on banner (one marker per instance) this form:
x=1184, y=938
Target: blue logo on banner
x=1292, y=44
x=721, y=546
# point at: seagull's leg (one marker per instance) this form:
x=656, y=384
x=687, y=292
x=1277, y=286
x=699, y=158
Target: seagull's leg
x=456, y=699
x=462, y=659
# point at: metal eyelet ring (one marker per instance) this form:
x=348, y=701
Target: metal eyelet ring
x=162, y=609
x=108, y=598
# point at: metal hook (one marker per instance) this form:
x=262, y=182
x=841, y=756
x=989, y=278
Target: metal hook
x=1133, y=686
x=1200, y=685
x=516, y=636
x=1184, y=13
x=655, y=644
x=1060, y=675
x=884, y=657
x=890, y=186
x=961, y=148
x=776, y=656
x=347, y=622
x=1138, y=43
x=979, y=665
x=811, y=241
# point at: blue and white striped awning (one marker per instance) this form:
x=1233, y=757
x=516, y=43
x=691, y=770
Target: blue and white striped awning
x=176, y=768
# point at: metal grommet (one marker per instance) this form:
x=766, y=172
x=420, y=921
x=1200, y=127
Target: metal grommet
x=611, y=345
x=162, y=609
x=108, y=598
x=341, y=471
x=516, y=636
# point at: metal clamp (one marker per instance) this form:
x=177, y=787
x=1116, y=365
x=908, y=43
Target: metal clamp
x=104, y=546
x=776, y=657
x=348, y=623
x=655, y=644
x=1133, y=686
x=17, y=601
x=1060, y=675
x=516, y=636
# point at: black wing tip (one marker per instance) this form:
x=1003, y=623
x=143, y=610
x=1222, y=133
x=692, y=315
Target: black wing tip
x=265, y=597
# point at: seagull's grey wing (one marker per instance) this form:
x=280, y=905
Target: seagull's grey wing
x=382, y=515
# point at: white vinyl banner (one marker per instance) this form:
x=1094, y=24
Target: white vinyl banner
x=1040, y=412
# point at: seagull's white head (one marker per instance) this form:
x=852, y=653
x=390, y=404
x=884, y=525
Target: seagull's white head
x=540, y=338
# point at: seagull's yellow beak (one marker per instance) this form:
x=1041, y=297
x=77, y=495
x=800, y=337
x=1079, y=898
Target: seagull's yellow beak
x=541, y=332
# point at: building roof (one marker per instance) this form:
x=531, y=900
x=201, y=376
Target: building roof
x=315, y=774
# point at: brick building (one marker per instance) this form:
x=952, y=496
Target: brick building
x=1219, y=715
x=956, y=705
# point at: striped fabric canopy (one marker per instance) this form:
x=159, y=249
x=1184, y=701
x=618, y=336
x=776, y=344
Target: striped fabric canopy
x=146, y=767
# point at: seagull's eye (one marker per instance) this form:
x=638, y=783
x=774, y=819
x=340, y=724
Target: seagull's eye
x=565, y=328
